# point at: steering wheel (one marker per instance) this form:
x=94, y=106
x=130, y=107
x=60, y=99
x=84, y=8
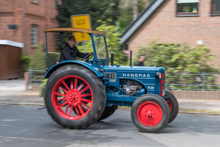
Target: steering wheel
x=87, y=57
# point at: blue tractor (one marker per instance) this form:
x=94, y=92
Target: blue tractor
x=80, y=92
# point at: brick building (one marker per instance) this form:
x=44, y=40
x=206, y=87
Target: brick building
x=23, y=21
x=21, y=29
x=177, y=21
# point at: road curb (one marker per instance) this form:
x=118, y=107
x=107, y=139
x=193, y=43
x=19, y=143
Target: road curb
x=198, y=113
x=22, y=104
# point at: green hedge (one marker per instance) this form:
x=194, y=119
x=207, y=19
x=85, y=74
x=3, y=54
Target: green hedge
x=38, y=61
x=42, y=86
x=53, y=58
x=25, y=62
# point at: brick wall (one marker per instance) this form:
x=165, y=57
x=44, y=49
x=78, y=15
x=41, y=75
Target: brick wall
x=24, y=13
x=186, y=94
x=164, y=25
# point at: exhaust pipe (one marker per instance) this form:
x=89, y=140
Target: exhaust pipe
x=112, y=58
x=130, y=57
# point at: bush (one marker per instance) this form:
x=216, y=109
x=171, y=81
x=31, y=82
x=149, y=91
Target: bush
x=53, y=58
x=25, y=62
x=39, y=58
x=179, y=59
x=42, y=86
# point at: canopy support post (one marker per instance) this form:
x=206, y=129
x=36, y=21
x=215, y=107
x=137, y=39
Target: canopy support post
x=48, y=66
x=62, y=39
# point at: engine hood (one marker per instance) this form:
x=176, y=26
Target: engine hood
x=133, y=69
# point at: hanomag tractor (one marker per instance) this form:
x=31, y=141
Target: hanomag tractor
x=79, y=93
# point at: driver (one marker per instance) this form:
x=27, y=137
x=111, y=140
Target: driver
x=70, y=51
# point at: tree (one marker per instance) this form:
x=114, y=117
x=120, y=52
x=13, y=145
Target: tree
x=129, y=10
x=97, y=9
x=113, y=43
x=179, y=60
x=135, y=9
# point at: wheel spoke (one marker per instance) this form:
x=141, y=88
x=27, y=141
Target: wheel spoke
x=84, y=106
x=76, y=110
x=61, y=94
x=67, y=108
x=75, y=83
x=71, y=109
x=79, y=88
x=86, y=100
x=84, y=89
x=85, y=95
x=63, y=89
x=71, y=84
x=64, y=83
x=80, y=109
x=62, y=99
x=62, y=104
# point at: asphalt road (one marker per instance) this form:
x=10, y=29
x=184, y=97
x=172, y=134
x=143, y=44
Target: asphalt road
x=25, y=126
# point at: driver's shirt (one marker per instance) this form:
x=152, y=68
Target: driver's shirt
x=68, y=53
x=139, y=63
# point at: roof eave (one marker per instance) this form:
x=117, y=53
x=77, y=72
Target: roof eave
x=146, y=13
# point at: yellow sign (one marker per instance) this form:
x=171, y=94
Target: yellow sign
x=83, y=22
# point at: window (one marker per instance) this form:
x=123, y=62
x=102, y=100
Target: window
x=34, y=35
x=215, y=10
x=35, y=1
x=187, y=7
x=57, y=3
x=100, y=47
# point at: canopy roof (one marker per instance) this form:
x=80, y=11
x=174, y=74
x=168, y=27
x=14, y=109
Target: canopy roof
x=69, y=30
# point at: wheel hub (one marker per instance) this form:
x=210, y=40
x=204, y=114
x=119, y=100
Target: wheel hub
x=149, y=113
x=74, y=97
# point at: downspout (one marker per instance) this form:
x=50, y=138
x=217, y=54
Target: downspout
x=24, y=51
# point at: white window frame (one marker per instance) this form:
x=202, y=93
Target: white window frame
x=34, y=35
x=187, y=13
x=187, y=1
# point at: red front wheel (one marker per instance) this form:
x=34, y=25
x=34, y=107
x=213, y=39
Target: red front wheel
x=150, y=113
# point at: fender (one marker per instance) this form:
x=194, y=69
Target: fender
x=85, y=64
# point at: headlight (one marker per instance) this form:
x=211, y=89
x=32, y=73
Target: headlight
x=163, y=92
x=158, y=75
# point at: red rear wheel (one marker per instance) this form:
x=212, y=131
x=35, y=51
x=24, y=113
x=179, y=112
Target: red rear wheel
x=173, y=105
x=72, y=97
x=108, y=111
